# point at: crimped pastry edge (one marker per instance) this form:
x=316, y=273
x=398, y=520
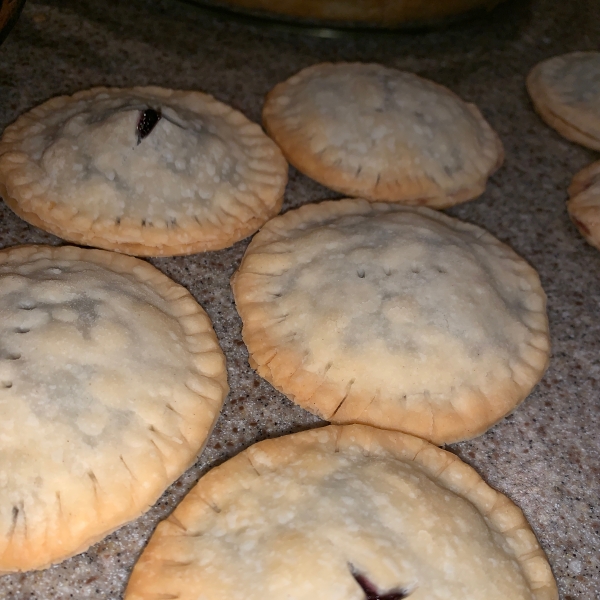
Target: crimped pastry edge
x=210, y=389
x=413, y=191
x=27, y=197
x=569, y=122
x=583, y=205
x=282, y=367
x=224, y=482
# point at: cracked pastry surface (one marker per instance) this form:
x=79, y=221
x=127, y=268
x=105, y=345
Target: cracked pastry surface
x=145, y=171
x=584, y=203
x=565, y=91
x=343, y=513
x=398, y=317
x=371, y=131
x=111, y=378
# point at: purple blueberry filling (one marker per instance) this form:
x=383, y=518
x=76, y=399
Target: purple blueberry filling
x=372, y=593
x=147, y=122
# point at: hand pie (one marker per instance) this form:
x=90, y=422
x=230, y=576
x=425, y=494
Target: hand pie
x=343, y=513
x=584, y=203
x=111, y=379
x=145, y=171
x=377, y=133
x=397, y=317
x=565, y=91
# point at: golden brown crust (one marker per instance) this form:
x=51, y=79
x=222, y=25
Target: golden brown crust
x=223, y=488
x=584, y=203
x=239, y=212
x=212, y=240
x=412, y=185
x=70, y=510
x=288, y=361
x=574, y=120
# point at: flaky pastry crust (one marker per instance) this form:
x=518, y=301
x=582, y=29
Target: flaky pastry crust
x=301, y=516
x=561, y=91
x=377, y=133
x=111, y=379
x=204, y=178
x=397, y=317
x=584, y=203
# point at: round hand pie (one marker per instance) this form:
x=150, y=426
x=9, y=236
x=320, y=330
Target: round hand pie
x=584, y=203
x=402, y=318
x=111, y=379
x=565, y=91
x=343, y=513
x=145, y=171
x=382, y=134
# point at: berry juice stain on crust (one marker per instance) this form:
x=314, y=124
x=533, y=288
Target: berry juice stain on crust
x=372, y=593
x=147, y=122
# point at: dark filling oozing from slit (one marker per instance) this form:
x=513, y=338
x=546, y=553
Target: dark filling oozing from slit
x=147, y=121
x=371, y=591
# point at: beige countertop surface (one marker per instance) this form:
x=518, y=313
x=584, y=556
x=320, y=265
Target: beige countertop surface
x=546, y=455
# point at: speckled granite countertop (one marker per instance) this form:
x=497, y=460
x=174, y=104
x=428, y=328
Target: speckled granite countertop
x=546, y=456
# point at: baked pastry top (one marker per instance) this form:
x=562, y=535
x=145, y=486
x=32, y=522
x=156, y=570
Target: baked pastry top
x=382, y=134
x=145, y=171
x=111, y=378
x=565, y=91
x=398, y=317
x=343, y=513
x=584, y=203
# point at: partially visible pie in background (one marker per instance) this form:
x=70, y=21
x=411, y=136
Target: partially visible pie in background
x=145, y=171
x=343, y=513
x=565, y=91
x=383, y=13
x=584, y=203
x=378, y=133
x=399, y=317
x=111, y=379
